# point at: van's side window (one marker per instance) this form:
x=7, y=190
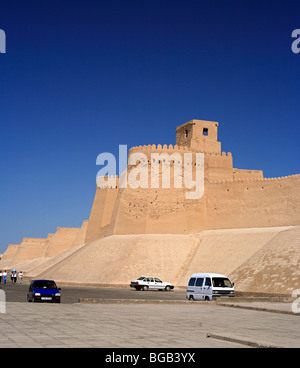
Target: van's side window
x=208, y=281
x=192, y=281
x=199, y=281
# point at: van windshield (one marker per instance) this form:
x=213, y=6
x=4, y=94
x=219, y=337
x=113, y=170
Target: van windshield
x=221, y=282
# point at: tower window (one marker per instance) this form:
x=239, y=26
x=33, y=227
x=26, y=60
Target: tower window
x=205, y=131
x=186, y=133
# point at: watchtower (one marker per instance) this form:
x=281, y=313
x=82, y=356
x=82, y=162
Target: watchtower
x=200, y=136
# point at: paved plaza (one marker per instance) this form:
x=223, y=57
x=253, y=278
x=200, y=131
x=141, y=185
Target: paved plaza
x=144, y=325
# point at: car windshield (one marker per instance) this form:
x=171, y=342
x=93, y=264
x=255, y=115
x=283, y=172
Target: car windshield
x=221, y=282
x=45, y=284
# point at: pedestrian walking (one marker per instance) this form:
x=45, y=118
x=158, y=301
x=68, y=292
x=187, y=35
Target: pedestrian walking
x=20, y=276
x=15, y=277
x=4, y=274
x=0, y=276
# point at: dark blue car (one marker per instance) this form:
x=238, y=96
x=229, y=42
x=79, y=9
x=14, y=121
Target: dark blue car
x=43, y=291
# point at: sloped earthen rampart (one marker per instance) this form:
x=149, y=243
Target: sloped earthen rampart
x=250, y=257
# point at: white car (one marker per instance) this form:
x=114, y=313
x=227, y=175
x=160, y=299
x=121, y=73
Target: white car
x=150, y=283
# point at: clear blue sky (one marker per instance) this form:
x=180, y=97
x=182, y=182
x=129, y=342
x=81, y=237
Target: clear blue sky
x=81, y=77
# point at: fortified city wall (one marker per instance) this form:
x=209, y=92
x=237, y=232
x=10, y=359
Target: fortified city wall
x=244, y=225
x=39, y=248
x=233, y=198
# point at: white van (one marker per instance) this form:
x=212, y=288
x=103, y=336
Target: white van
x=205, y=286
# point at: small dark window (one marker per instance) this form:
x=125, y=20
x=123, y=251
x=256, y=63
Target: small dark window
x=199, y=282
x=192, y=281
x=208, y=281
x=186, y=133
x=205, y=131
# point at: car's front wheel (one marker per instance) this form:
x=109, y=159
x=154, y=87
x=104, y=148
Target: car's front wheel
x=167, y=288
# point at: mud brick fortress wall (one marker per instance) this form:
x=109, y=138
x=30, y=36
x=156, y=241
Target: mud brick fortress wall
x=233, y=198
x=244, y=225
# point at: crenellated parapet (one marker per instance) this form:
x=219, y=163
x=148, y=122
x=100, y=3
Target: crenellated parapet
x=217, y=165
x=170, y=149
x=33, y=240
x=262, y=179
x=67, y=228
x=108, y=181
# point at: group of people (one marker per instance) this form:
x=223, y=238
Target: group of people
x=13, y=276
